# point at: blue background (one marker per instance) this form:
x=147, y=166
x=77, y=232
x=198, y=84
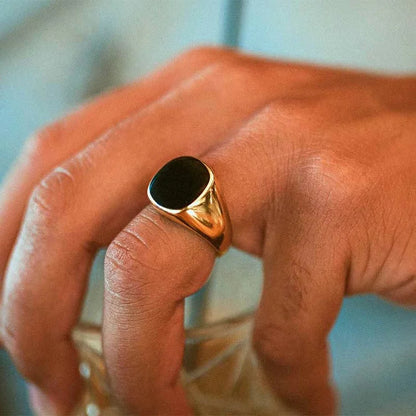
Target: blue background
x=56, y=54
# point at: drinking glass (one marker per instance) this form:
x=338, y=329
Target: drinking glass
x=220, y=372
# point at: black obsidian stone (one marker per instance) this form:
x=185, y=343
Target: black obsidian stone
x=179, y=182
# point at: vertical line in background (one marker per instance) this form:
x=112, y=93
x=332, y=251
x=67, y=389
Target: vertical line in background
x=232, y=23
x=198, y=302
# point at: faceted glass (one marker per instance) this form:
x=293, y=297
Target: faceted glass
x=220, y=371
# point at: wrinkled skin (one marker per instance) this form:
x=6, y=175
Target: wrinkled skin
x=317, y=166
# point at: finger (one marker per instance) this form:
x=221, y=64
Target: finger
x=59, y=141
x=291, y=221
x=143, y=333
x=305, y=274
x=87, y=201
x=154, y=264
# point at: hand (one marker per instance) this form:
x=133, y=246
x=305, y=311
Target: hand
x=318, y=170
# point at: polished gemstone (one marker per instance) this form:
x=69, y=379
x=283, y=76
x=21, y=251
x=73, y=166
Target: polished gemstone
x=179, y=182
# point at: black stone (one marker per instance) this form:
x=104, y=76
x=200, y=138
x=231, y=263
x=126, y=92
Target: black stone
x=179, y=182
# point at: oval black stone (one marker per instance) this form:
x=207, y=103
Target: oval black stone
x=179, y=182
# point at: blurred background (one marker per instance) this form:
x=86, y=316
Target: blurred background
x=56, y=54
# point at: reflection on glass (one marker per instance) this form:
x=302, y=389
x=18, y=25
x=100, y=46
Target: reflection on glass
x=220, y=372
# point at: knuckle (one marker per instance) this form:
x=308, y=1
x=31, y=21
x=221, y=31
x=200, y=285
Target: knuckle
x=295, y=109
x=203, y=52
x=276, y=345
x=241, y=71
x=141, y=249
x=125, y=257
x=289, y=115
x=53, y=196
x=325, y=180
x=146, y=257
x=288, y=105
x=44, y=142
x=305, y=112
x=286, y=347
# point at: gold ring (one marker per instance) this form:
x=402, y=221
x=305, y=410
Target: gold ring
x=185, y=191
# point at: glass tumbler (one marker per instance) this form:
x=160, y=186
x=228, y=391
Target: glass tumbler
x=220, y=371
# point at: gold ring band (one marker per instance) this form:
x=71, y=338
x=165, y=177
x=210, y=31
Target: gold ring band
x=185, y=190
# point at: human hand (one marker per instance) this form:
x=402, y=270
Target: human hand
x=317, y=168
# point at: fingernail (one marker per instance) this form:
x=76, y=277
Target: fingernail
x=41, y=404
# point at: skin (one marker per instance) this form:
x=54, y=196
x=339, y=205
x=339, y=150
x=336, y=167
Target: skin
x=317, y=168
